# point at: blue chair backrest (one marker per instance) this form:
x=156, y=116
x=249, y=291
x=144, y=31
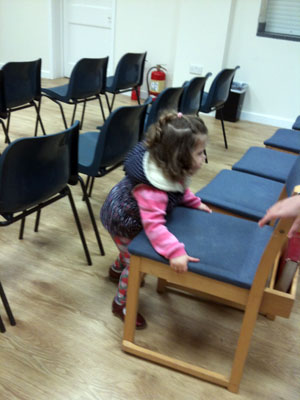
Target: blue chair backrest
x=192, y=94
x=129, y=71
x=294, y=177
x=220, y=87
x=21, y=82
x=88, y=78
x=167, y=100
x=121, y=131
x=32, y=169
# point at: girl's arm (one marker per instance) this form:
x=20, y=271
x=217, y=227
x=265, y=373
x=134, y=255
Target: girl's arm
x=152, y=205
x=192, y=201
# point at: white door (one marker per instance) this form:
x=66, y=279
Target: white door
x=88, y=27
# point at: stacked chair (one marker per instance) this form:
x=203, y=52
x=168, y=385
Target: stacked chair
x=128, y=76
x=102, y=151
x=20, y=87
x=87, y=83
x=168, y=99
x=239, y=260
x=216, y=97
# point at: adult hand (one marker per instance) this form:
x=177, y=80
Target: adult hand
x=180, y=264
x=289, y=207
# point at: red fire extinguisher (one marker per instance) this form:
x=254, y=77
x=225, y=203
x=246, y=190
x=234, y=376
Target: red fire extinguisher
x=157, y=80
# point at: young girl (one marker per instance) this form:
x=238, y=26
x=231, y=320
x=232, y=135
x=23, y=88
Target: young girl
x=157, y=176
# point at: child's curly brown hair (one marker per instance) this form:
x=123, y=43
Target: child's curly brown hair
x=171, y=141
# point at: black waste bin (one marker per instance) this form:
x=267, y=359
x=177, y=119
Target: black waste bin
x=233, y=106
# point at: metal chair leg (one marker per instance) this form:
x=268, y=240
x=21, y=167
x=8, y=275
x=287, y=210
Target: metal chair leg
x=90, y=210
x=82, y=114
x=73, y=115
x=112, y=102
x=107, y=102
x=137, y=95
x=91, y=186
x=79, y=227
x=38, y=118
x=7, y=140
x=6, y=306
x=2, y=326
x=37, y=220
x=223, y=128
x=22, y=228
x=101, y=107
x=61, y=110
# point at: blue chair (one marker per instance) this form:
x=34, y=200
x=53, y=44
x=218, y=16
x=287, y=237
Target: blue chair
x=267, y=163
x=128, y=76
x=34, y=173
x=167, y=100
x=7, y=309
x=247, y=195
x=191, y=97
x=296, y=124
x=87, y=83
x=236, y=258
x=285, y=140
x=218, y=94
x=20, y=87
x=102, y=151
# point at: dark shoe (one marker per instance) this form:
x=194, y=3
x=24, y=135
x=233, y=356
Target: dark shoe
x=119, y=311
x=114, y=275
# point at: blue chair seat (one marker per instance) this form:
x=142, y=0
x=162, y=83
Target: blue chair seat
x=297, y=123
x=87, y=146
x=109, y=83
x=285, y=139
x=267, y=163
x=243, y=194
x=229, y=248
x=58, y=92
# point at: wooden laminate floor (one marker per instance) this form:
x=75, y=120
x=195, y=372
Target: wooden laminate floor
x=67, y=344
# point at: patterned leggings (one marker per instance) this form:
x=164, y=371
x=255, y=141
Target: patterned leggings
x=122, y=264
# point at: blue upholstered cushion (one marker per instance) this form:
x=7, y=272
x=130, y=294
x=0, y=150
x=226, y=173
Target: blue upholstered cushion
x=240, y=193
x=268, y=163
x=297, y=123
x=229, y=248
x=286, y=139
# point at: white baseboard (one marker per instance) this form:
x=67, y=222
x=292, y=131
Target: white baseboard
x=267, y=119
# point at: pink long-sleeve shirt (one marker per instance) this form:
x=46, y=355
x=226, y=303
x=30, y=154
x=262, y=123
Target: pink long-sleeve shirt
x=152, y=204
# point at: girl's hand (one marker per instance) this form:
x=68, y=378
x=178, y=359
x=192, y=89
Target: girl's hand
x=204, y=207
x=180, y=264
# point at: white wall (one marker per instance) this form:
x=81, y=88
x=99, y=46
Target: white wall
x=24, y=31
x=143, y=25
x=177, y=33
x=270, y=66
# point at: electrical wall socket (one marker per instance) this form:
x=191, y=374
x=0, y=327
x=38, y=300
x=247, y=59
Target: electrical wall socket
x=196, y=69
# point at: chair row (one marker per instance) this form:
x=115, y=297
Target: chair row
x=239, y=261
x=20, y=86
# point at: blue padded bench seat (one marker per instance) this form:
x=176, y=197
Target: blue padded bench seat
x=268, y=163
x=285, y=139
x=243, y=194
x=297, y=123
x=240, y=244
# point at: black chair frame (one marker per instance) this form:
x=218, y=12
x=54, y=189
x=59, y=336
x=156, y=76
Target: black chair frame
x=7, y=74
x=7, y=309
x=70, y=99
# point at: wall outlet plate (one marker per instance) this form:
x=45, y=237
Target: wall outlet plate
x=196, y=69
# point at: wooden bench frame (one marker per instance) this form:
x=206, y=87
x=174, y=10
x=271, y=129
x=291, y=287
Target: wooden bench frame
x=258, y=299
